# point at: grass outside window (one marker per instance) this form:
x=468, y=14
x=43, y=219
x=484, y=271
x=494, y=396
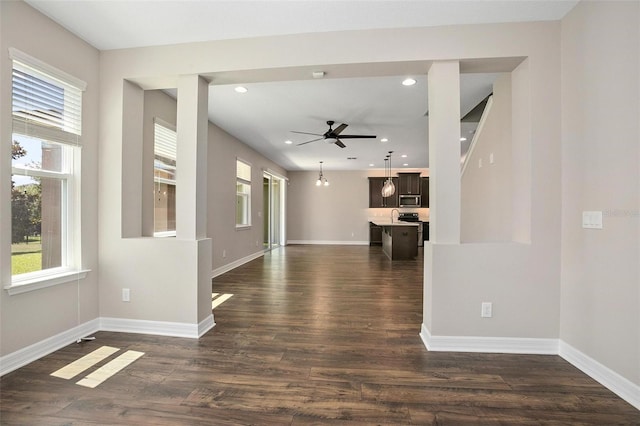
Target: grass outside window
x=26, y=256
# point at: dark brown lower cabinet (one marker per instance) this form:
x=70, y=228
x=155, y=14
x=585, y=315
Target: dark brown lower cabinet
x=375, y=235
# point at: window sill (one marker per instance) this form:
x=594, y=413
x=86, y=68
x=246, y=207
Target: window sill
x=242, y=227
x=30, y=284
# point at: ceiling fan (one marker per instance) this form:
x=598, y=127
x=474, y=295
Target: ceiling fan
x=333, y=135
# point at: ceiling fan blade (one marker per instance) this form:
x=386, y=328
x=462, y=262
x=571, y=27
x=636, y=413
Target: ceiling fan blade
x=307, y=133
x=340, y=128
x=357, y=136
x=340, y=144
x=312, y=140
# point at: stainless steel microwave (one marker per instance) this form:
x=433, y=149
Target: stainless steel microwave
x=410, y=200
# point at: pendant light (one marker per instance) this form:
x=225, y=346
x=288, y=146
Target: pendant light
x=321, y=179
x=389, y=188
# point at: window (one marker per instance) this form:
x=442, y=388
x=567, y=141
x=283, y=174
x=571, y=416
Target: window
x=45, y=158
x=164, y=176
x=243, y=194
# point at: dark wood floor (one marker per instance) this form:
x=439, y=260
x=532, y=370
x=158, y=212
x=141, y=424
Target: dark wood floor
x=312, y=335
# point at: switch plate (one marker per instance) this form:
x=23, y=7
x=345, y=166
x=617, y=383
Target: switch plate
x=126, y=295
x=487, y=309
x=479, y=163
x=491, y=158
x=592, y=219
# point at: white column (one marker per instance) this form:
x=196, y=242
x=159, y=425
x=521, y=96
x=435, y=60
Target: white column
x=444, y=152
x=191, y=161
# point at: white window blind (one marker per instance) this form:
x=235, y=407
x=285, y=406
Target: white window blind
x=45, y=101
x=165, y=142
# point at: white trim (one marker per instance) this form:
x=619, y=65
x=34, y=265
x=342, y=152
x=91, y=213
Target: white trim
x=205, y=325
x=163, y=123
x=17, y=55
x=624, y=388
x=506, y=345
x=158, y=328
x=229, y=266
x=329, y=243
x=31, y=353
x=613, y=381
x=19, y=286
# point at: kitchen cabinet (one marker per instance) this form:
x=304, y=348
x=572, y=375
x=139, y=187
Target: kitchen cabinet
x=376, y=200
x=424, y=202
x=375, y=234
x=425, y=231
x=399, y=240
x=409, y=183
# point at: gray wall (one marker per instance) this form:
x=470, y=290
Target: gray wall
x=600, y=171
x=486, y=191
x=334, y=214
x=30, y=317
x=237, y=243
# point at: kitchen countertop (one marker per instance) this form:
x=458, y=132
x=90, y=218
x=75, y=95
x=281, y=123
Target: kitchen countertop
x=387, y=222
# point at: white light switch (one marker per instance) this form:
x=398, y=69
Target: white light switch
x=592, y=219
x=491, y=158
x=487, y=310
x=480, y=163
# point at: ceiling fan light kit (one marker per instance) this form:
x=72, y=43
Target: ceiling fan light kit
x=333, y=135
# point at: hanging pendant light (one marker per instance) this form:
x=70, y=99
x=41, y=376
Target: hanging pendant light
x=321, y=179
x=385, y=184
x=389, y=188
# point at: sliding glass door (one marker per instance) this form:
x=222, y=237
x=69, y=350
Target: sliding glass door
x=273, y=208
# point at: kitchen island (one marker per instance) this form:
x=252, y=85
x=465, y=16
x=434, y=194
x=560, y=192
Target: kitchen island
x=399, y=239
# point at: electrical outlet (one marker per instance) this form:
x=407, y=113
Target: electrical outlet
x=126, y=295
x=486, y=310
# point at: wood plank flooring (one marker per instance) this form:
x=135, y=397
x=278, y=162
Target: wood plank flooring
x=312, y=335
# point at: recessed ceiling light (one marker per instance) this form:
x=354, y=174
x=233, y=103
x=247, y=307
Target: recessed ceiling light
x=384, y=140
x=404, y=155
x=288, y=142
x=371, y=164
x=409, y=82
x=241, y=89
x=405, y=164
x=462, y=139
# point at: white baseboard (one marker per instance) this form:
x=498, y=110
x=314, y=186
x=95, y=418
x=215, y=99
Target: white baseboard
x=31, y=353
x=329, y=243
x=617, y=384
x=205, y=325
x=158, y=328
x=229, y=266
x=505, y=345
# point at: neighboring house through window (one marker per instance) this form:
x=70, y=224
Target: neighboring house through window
x=164, y=176
x=243, y=194
x=45, y=178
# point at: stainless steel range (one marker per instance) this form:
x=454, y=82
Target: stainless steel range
x=413, y=217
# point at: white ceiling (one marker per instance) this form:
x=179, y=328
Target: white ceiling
x=265, y=115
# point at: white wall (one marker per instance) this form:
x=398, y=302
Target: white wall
x=601, y=171
x=486, y=191
x=31, y=317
